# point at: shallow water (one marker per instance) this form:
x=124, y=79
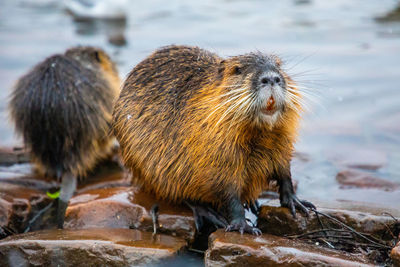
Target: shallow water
x=337, y=48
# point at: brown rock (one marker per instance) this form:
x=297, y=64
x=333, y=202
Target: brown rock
x=18, y=205
x=13, y=155
x=125, y=207
x=395, y=255
x=23, y=194
x=361, y=179
x=106, y=178
x=233, y=249
x=23, y=175
x=279, y=221
x=90, y=247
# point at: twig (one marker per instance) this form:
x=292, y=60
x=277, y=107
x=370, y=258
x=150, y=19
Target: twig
x=40, y=213
x=352, y=230
x=326, y=242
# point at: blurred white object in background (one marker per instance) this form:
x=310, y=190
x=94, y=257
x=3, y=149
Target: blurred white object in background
x=97, y=9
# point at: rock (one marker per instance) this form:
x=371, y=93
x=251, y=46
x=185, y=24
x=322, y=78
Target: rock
x=362, y=179
x=395, y=255
x=234, y=249
x=90, y=247
x=106, y=178
x=19, y=204
x=13, y=155
x=279, y=221
x=23, y=175
x=127, y=207
x=358, y=157
x=23, y=194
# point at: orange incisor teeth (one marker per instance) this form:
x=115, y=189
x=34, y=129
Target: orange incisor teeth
x=271, y=103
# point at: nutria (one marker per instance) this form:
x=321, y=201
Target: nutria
x=63, y=109
x=194, y=127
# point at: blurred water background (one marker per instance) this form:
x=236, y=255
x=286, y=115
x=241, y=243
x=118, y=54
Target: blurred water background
x=348, y=52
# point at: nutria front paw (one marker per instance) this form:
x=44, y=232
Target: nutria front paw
x=292, y=202
x=242, y=227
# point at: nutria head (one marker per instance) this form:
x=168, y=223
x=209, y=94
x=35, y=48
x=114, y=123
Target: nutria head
x=92, y=58
x=255, y=85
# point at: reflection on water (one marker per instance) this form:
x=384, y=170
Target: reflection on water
x=338, y=48
x=393, y=15
x=112, y=29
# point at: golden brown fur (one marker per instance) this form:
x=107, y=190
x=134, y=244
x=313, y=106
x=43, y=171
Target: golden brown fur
x=182, y=135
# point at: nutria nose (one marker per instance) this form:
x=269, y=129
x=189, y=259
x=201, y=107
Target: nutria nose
x=271, y=79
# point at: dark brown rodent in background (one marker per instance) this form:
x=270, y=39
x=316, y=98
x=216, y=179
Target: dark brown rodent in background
x=197, y=128
x=63, y=109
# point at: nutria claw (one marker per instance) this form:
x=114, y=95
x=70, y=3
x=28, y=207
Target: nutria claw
x=293, y=203
x=254, y=207
x=243, y=227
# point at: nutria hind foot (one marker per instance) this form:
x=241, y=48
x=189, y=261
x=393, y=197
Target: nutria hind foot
x=242, y=227
x=68, y=187
x=289, y=199
x=203, y=212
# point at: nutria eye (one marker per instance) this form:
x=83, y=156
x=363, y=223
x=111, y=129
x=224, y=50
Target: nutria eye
x=97, y=56
x=237, y=70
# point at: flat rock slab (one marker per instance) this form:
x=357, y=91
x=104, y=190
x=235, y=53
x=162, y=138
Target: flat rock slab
x=90, y=247
x=18, y=205
x=106, y=175
x=233, y=249
x=362, y=179
x=13, y=155
x=395, y=255
x=279, y=221
x=127, y=207
x=24, y=175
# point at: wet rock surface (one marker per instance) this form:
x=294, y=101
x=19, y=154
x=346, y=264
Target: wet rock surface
x=107, y=200
x=13, y=155
x=395, y=255
x=279, y=221
x=127, y=207
x=18, y=204
x=25, y=176
x=91, y=247
x=362, y=179
x=233, y=249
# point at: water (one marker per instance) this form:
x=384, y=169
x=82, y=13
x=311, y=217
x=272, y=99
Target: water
x=351, y=59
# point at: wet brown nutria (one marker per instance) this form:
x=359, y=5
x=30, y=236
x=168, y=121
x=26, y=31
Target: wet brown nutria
x=199, y=128
x=63, y=109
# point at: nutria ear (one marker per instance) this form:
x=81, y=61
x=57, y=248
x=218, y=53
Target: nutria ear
x=278, y=61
